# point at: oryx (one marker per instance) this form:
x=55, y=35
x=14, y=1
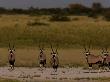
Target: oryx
x=93, y=59
x=42, y=57
x=106, y=57
x=54, y=61
x=11, y=56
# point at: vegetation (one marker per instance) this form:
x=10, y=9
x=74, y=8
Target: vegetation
x=59, y=18
x=8, y=80
x=72, y=9
x=100, y=79
x=37, y=23
x=107, y=16
x=23, y=31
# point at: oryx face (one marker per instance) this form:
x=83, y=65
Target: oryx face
x=11, y=49
x=41, y=52
x=105, y=54
x=87, y=53
x=53, y=54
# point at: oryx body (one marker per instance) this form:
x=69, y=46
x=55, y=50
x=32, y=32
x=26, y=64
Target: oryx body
x=11, y=57
x=93, y=59
x=54, y=61
x=106, y=57
x=42, y=58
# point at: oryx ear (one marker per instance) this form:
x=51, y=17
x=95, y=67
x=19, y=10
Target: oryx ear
x=84, y=46
x=88, y=50
x=9, y=50
x=13, y=48
x=85, y=49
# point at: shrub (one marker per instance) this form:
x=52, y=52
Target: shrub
x=59, y=18
x=107, y=16
x=93, y=15
x=34, y=23
x=75, y=19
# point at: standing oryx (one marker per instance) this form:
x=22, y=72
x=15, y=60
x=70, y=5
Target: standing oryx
x=92, y=59
x=42, y=58
x=54, y=59
x=106, y=57
x=11, y=56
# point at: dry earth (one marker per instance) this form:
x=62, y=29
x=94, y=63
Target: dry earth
x=35, y=74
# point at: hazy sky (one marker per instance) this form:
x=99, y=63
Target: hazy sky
x=47, y=3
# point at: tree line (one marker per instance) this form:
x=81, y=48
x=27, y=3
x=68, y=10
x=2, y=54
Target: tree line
x=73, y=9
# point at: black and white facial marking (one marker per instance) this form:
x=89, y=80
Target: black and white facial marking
x=53, y=54
x=105, y=52
x=86, y=50
x=87, y=53
x=11, y=51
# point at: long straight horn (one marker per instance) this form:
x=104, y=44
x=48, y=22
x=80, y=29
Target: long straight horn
x=102, y=49
x=9, y=47
x=52, y=48
x=57, y=49
x=89, y=47
x=84, y=47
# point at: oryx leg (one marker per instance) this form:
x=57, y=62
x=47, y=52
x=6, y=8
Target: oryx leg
x=106, y=67
x=55, y=68
x=11, y=65
x=44, y=65
x=99, y=68
x=109, y=65
x=90, y=68
x=41, y=68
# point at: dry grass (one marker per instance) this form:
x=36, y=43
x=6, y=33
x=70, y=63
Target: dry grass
x=8, y=80
x=67, y=34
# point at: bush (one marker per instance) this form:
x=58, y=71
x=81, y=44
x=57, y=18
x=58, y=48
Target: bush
x=107, y=16
x=59, y=18
x=93, y=15
x=75, y=19
x=35, y=23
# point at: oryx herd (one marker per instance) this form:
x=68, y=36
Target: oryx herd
x=103, y=60
x=54, y=61
x=100, y=60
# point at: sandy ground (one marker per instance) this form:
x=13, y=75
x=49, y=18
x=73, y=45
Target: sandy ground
x=35, y=74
